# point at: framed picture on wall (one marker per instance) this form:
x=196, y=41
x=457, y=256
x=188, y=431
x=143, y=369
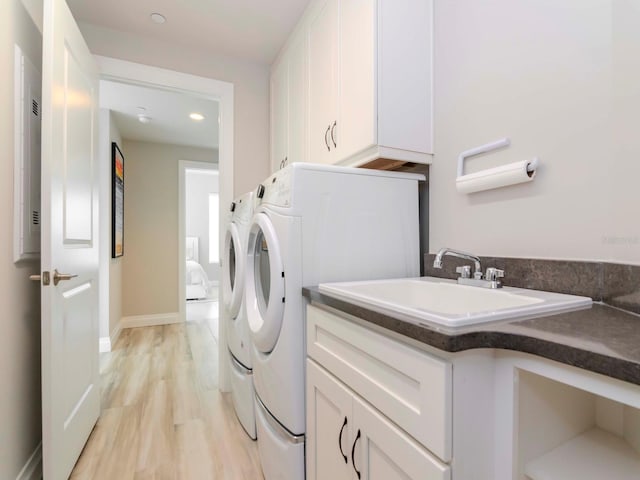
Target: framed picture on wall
x=117, y=202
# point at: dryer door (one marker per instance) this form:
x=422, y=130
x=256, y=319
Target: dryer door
x=265, y=284
x=233, y=271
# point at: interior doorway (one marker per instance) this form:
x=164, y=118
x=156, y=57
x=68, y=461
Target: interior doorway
x=205, y=88
x=199, y=211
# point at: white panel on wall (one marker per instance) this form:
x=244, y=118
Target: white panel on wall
x=26, y=186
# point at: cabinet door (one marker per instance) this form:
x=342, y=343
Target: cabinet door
x=279, y=112
x=357, y=126
x=298, y=100
x=384, y=452
x=323, y=81
x=328, y=440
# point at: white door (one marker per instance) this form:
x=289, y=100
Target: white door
x=323, y=83
x=70, y=388
x=382, y=451
x=279, y=114
x=328, y=426
x=358, y=119
x=298, y=100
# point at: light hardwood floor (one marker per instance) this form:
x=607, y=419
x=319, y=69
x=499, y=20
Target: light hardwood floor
x=163, y=416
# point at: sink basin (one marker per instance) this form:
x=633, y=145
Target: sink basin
x=449, y=304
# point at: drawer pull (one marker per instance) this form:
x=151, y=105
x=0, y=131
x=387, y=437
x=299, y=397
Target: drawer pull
x=333, y=138
x=326, y=142
x=340, y=440
x=353, y=452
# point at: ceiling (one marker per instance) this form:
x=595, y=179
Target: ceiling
x=168, y=111
x=252, y=30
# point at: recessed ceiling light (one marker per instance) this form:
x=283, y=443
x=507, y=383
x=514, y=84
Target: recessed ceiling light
x=158, y=18
x=196, y=116
x=142, y=118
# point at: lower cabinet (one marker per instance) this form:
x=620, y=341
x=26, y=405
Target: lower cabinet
x=347, y=438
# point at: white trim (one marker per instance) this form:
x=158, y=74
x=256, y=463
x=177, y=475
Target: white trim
x=223, y=92
x=116, y=333
x=105, y=345
x=135, y=321
x=183, y=166
x=32, y=470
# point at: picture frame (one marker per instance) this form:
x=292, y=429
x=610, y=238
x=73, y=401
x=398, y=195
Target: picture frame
x=117, y=202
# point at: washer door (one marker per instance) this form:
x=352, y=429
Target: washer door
x=265, y=284
x=233, y=275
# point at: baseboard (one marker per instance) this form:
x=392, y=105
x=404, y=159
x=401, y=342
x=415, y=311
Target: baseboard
x=135, y=321
x=32, y=470
x=107, y=343
x=116, y=333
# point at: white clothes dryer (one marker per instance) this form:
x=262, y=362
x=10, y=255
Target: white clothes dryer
x=313, y=224
x=235, y=313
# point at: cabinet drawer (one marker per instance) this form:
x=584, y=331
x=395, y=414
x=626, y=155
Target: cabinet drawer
x=410, y=387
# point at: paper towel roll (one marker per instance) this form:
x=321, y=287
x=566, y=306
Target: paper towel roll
x=502, y=176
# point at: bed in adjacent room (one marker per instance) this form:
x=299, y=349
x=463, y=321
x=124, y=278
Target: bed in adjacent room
x=197, y=281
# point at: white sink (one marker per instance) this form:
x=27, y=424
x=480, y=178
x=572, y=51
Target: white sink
x=446, y=303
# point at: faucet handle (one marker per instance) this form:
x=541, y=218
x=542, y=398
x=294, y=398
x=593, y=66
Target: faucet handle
x=465, y=271
x=493, y=274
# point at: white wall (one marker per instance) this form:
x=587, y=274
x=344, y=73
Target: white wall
x=150, y=261
x=562, y=80
x=251, y=91
x=110, y=268
x=198, y=186
x=20, y=400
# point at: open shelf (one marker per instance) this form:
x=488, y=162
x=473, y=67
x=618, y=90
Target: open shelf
x=567, y=433
x=594, y=455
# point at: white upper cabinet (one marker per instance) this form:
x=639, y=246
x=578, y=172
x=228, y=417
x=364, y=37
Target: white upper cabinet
x=298, y=101
x=323, y=81
x=368, y=86
x=279, y=114
x=289, y=100
x=357, y=127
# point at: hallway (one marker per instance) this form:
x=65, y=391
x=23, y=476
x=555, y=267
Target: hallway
x=162, y=413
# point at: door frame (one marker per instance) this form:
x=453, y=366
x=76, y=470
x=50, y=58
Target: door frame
x=206, y=88
x=183, y=166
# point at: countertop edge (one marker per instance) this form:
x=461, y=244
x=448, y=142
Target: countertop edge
x=495, y=336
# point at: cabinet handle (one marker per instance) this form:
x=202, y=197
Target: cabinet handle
x=333, y=129
x=353, y=452
x=340, y=440
x=326, y=142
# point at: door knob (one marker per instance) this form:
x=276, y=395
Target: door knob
x=57, y=276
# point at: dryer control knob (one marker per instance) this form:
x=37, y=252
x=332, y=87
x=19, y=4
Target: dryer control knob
x=260, y=191
x=233, y=207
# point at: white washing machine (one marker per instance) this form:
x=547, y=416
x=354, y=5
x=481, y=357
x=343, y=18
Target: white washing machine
x=314, y=224
x=235, y=312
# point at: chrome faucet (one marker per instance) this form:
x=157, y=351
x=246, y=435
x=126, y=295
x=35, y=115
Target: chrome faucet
x=489, y=280
x=437, y=262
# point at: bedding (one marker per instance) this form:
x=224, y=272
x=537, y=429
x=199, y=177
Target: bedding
x=196, y=280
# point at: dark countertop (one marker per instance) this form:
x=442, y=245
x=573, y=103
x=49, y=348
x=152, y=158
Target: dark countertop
x=601, y=339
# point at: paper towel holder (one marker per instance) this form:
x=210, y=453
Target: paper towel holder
x=488, y=147
x=511, y=174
